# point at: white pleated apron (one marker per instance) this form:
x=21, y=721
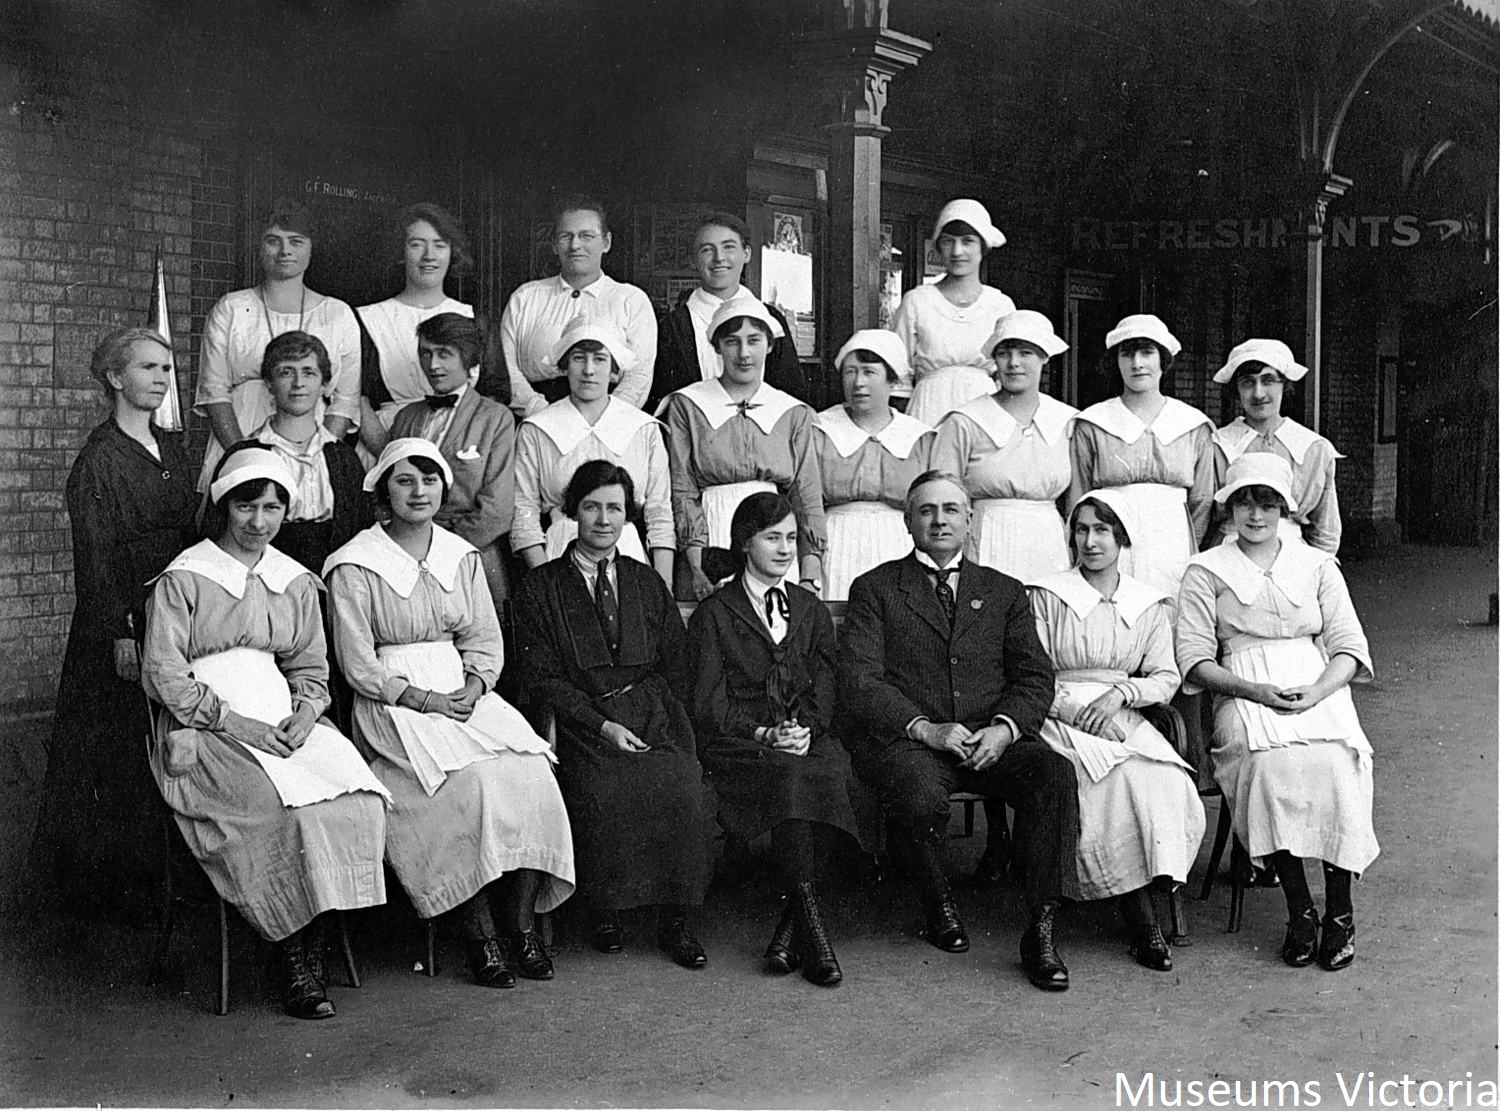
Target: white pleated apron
x=326, y=766
x=1098, y=754
x=1159, y=556
x=861, y=535
x=1292, y=663
x=719, y=504
x=564, y=530
x=939, y=392
x=1019, y=537
x=437, y=745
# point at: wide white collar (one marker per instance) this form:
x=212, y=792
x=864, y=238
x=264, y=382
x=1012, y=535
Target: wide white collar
x=766, y=407
x=1132, y=597
x=702, y=304
x=566, y=427
x=1237, y=435
x=374, y=550
x=898, y=437
x=207, y=560
x=1295, y=571
x=1052, y=419
x=1176, y=419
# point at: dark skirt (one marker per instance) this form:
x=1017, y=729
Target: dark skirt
x=640, y=819
x=98, y=841
x=759, y=787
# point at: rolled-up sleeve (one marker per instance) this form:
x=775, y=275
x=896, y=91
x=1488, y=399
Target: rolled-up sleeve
x=1197, y=624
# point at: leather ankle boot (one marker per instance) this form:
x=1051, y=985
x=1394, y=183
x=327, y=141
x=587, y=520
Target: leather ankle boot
x=1301, y=944
x=942, y=928
x=1336, y=951
x=302, y=993
x=819, y=965
x=781, y=953
x=1039, y=955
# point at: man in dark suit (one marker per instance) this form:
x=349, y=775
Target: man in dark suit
x=721, y=248
x=477, y=437
x=947, y=685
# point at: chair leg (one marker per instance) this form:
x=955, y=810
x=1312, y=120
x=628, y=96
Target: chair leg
x=431, y=925
x=349, y=965
x=223, y=957
x=169, y=912
x=1236, y=901
x=1179, y=916
x=544, y=927
x=1221, y=838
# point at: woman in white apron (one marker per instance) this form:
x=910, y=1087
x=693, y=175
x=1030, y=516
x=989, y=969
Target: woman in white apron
x=733, y=436
x=1013, y=451
x=1156, y=449
x=231, y=392
x=478, y=812
x=868, y=454
x=943, y=326
x=279, y=809
x=1267, y=627
x=1260, y=370
x=1110, y=638
x=591, y=424
x=432, y=247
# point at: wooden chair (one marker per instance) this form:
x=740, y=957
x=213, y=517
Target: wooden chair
x=1169, y=724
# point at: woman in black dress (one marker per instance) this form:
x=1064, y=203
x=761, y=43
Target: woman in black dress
x=762, y=706
x=603, y=648
x=130, y=500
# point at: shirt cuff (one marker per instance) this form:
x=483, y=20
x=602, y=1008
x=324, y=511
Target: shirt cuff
x=393, y=688
x=913, y=723
x=1006, y=719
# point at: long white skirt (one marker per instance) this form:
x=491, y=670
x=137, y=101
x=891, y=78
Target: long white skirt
x=1159, y=555
x=939, y=392
x=861, y=535
x=473, y=800
x=1300, y=782
x=1019, y=537
x=1142, y=817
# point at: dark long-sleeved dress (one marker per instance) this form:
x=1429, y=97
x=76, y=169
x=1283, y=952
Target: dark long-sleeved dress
x=131, y=514
x=640, y=819
x=745, y=680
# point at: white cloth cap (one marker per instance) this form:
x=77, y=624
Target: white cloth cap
x=1119, y=504
x=250, y=463
x=1144, y=326
x=1272, y=352
x=582, y=328
x=405, y=448
x=745, y=306
x=1029, y=326
x=1259, y=468
x=882, y=342
x=975, y=215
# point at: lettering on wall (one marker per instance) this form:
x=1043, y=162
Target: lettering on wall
x=1251, y=233
x=316, y=187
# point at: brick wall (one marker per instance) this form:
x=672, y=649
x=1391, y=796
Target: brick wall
x=89, y=189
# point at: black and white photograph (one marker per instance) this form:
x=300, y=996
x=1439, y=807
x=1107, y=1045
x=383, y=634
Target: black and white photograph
x=888, y=555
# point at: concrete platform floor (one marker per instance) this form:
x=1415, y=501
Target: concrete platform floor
x=910, y=1027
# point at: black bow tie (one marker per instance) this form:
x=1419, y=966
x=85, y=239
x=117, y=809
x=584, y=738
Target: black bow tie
x=776, y=605
x=440, y=400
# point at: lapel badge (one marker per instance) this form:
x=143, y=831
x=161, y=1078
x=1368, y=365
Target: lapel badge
x=976, y=603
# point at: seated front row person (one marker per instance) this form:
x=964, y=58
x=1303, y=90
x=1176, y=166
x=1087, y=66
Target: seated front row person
x=1266, y=625
x=763, y=708
x=1110, y=638
x=235, y=653
x=947, y=688
x=602, y=646
x=476, y=436
x=328, y=507
x=477, y=811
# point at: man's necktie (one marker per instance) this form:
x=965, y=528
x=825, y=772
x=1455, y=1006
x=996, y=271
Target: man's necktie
x=440, y=400
x=607, y=605
x=945, y=595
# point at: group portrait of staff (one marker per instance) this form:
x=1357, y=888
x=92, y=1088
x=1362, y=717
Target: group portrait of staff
x=525, y=612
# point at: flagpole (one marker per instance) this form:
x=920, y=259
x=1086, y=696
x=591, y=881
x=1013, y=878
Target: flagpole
x=169, y=413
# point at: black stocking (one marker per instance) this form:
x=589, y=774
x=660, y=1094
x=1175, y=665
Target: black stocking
x=1293, y=882
x=1336, y=890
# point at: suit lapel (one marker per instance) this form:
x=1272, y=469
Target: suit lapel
x=458, y=427
x=973, y=596
x=921, y=595
x=634, y=649
x=580, y=618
